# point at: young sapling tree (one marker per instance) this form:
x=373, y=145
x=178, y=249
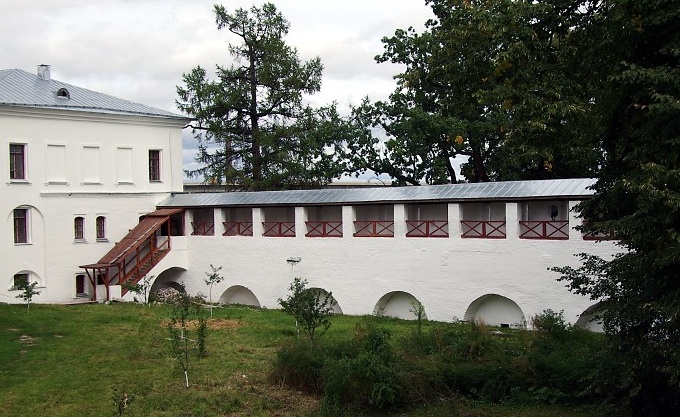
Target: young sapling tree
x=180, y=344
x=27, y=292
x=214, y=277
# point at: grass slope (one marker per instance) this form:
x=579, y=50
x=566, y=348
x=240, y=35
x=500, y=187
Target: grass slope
x=66, y=360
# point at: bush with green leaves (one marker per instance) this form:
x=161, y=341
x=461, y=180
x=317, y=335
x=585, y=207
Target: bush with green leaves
x=311, y=309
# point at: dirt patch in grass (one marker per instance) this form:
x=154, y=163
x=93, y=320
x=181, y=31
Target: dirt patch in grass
x=213, y=324
x=27, y=340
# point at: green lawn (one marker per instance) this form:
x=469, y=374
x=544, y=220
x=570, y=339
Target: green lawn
x=66, y=360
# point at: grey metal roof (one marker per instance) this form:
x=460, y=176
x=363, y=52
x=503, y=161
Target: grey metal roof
x=490, y=191
x=21, y=88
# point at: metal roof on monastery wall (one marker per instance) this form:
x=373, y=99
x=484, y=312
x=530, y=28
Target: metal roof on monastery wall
x=489, y=191
x=21, y=88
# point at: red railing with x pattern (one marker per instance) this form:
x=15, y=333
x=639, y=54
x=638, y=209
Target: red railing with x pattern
x=279, y=229
x=427, y=228
x=238, y=228
x=374, y=228
x=203, y=228
x=483, y=229
x=544, y=229
x=324, y=229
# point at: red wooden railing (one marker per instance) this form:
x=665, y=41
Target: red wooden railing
x=324, y=229
x=203, y=228
x=597, y=236
x=427, y=228
x=540, y=229
x=143, y=255
x=279, y=229
x=483, y=229
x=373, y=228
x=238, y=228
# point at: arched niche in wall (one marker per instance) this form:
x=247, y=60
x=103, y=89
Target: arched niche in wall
x=170, y=278
x=238, y=294
x=588, y=319
x=496, y=310
x=332, y=302
x=25, y=275
x=397, y=304
x=27, y=225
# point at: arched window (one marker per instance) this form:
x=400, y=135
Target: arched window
x=101, y=228
x=78, y=226
x=63, y=93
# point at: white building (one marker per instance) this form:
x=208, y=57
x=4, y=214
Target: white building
x=80, y=167
x=85, y=171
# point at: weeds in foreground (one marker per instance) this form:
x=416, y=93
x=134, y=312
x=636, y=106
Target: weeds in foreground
x=374, y=370
x=122, y=401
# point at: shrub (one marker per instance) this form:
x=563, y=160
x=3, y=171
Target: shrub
x=310, y=309
x=551, y=323
x=368, y=378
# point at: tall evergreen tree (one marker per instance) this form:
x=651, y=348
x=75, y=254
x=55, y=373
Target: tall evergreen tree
x=253, y=128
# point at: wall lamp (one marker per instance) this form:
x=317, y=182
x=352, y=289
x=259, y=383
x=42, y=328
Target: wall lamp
x=294, y=261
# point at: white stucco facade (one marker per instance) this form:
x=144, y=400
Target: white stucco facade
x=77, y=162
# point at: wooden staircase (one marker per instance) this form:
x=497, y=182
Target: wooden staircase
x=144, y=269
x=135, y=255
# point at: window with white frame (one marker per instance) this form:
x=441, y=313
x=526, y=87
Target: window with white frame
x=154, y=165
x=21, y=225
x=17, y=161
x=78, y=228
x=101, y=228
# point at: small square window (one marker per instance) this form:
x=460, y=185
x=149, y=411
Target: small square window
x=154, y=165
x=21, y=225
x=17, y=161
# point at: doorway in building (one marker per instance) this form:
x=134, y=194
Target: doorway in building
x=80, y=286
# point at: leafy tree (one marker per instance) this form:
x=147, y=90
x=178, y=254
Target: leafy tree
x=214, y=277
x=311, y=309
x=27, y=292
x=500, y=82
x=254, y=131
x=637, y=201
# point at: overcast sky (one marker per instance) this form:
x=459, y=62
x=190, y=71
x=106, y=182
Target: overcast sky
x=139, y=49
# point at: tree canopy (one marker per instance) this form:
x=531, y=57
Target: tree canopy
x=253, y=128
x=637, y=200
x=499, y=82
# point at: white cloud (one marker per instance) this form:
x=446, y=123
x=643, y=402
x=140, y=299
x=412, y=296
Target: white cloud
x=139, y=49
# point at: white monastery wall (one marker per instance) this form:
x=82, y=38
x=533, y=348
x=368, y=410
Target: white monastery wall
x=446, y=275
